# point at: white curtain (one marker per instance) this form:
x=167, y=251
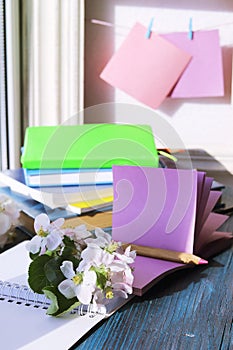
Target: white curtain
x=53, y=34
x=11, y=126
x=44, y=71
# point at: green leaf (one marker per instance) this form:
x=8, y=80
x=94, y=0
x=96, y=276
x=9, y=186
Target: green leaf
x=59, y=303
x=101, y=280
x=69, y=249
x=33, y=256
x=53, y=272
x=68, y=252
x=53, y=307
x=52, y=269
x=68, y=241
x=36, y=275
x=75, y=261
x=102, y=276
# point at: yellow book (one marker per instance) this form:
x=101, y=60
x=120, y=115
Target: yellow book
x=89, y=205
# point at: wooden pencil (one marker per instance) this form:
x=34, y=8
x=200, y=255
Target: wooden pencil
x=165, y=254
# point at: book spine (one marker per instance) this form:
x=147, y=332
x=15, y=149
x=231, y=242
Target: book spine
x=22, y=294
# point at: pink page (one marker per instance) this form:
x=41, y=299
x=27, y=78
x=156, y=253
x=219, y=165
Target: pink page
x=219, y=241
x=204, y=75
x=146, y=69
x=212, y=200
x=201, y=177
x=204, y=195
x=147, y=270
x=208, y=234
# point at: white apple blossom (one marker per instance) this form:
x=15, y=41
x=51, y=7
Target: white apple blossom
x=49, y=235
x=78, y=284
x=120, y=274
x=9, y=213
x=42, y=222
x=128, y=256
x=5, y=223
x=122, y=282
x=93, y=255
x=78, y=233
x=102, y=239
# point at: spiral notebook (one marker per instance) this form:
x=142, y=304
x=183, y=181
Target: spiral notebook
x=23, y=320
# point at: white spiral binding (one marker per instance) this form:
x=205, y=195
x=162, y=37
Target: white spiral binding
x=21, y=294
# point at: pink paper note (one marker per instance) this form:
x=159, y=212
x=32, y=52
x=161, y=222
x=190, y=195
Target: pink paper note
x=146, y=69
x=204, y=75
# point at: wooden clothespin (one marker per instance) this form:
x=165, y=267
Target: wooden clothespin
x=190, y=32
x=149, y=28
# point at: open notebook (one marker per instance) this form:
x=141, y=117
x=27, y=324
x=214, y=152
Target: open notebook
x=24, y=324
x=167, y=209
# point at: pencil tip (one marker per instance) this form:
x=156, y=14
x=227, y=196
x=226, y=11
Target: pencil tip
x=202, y=262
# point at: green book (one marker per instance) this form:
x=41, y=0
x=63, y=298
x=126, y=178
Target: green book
x=88, y=146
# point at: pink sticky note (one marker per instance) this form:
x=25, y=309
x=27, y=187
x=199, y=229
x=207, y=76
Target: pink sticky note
x=204, y=75
x=146, y=69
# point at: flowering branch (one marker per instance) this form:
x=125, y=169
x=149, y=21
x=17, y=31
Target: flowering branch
x=73, y=266
x=9, y=214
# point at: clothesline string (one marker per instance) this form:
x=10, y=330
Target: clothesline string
x=109, y=24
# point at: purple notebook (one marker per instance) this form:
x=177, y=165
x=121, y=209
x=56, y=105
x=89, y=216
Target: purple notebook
x=168, y=209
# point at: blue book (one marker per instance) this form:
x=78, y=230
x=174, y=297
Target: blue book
x=67, y=177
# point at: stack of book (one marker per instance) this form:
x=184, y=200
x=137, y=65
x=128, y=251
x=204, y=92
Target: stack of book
x=71, y=165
